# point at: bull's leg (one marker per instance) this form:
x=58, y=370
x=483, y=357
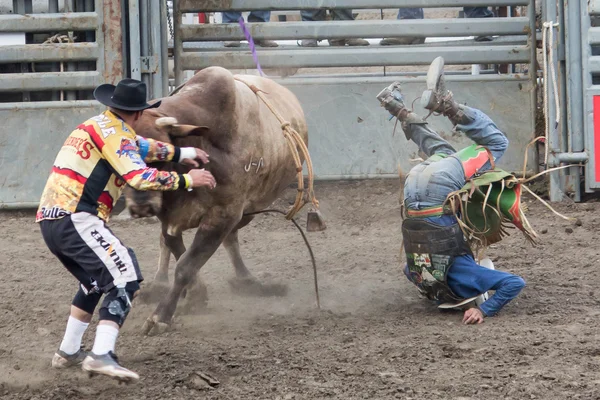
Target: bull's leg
x=232, y=246
x=174, y=245
x=170, y=243
x=162, y=273
x=244, y=282
x=211, y=233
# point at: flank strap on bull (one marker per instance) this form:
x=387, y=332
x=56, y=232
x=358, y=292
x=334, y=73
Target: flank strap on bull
x=295, y=142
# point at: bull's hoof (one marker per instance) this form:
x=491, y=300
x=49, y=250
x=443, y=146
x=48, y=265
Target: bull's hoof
x=153, y=327
x=153, y=292
x=252, y=287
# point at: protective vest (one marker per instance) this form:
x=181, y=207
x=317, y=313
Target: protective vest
x=430, y=252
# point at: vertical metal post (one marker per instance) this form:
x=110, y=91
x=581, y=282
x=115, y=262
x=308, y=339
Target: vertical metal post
x=562, y=77
x=177, y=44
x=164, y=46
x=575, y=88
x=533, y=71
x=549, y=12
x=24, y=7
x=155, y=47
x=125, y=31
x=144, y=51
x=72, y=66
x=110, y=36
x=53, y=6
x=134, y=40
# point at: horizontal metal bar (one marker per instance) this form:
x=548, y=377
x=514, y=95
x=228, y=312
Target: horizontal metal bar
x=363, y=79
x=365, y=57
x=594, y=35
x=49, y=81
x=49, y=52
x=362, y=29
x=245, y=5
x=593, y=7
x=19, y=206
x=45, y=105
x=354, y=177
x=48, y=22
x=571, y=157
x=594, y=64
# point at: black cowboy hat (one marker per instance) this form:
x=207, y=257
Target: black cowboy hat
x=128, y=95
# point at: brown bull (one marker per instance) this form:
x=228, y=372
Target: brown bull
x=249, y=158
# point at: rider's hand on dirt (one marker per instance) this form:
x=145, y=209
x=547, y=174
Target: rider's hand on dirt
x=202, y=177
x=473, y=316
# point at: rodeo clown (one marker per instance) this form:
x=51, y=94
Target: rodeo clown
x=87, y=179
x=455, y=202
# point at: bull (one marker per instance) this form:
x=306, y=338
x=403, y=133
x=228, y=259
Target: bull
x=250, y=160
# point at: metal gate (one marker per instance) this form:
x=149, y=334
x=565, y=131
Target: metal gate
x=46, y=83
x=350, y=135
x=572, y=30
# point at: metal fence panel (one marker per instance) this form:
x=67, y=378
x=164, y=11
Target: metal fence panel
x=32, y=132
x=29, y=144
x=350, y=134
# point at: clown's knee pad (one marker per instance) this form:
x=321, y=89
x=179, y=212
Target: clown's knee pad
x=117, y=303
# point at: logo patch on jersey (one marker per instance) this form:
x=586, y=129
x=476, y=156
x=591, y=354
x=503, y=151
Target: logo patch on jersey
x=166, y=180
x=51, y=213
x=150, y=174
x=161, y=152
x=81, y=146
x=130, y=150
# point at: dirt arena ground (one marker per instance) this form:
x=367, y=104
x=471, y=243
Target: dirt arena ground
x=374, y=337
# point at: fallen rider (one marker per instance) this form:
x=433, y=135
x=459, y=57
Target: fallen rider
x=439, y=232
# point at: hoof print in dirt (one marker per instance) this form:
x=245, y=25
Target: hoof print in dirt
x=153, y=327
x=153, y=293
x=252, y=287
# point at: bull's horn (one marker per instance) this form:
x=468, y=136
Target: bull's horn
x=170, y=125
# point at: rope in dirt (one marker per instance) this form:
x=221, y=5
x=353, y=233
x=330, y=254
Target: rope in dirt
x=294, y=141
x=312, y=256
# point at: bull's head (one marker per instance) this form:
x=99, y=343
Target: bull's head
x=155, y=125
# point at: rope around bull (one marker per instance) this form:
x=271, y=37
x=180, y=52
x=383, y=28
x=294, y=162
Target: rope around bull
x=294, y=141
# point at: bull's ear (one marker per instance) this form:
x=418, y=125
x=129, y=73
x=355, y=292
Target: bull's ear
x=170, y=126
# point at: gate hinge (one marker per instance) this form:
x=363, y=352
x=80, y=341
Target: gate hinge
x=149, y=64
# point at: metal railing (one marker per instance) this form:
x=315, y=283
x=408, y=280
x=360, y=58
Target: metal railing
x=343, y=117
x=497, y=52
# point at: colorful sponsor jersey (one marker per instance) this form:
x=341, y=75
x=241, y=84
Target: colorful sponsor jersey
x=96, y=161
